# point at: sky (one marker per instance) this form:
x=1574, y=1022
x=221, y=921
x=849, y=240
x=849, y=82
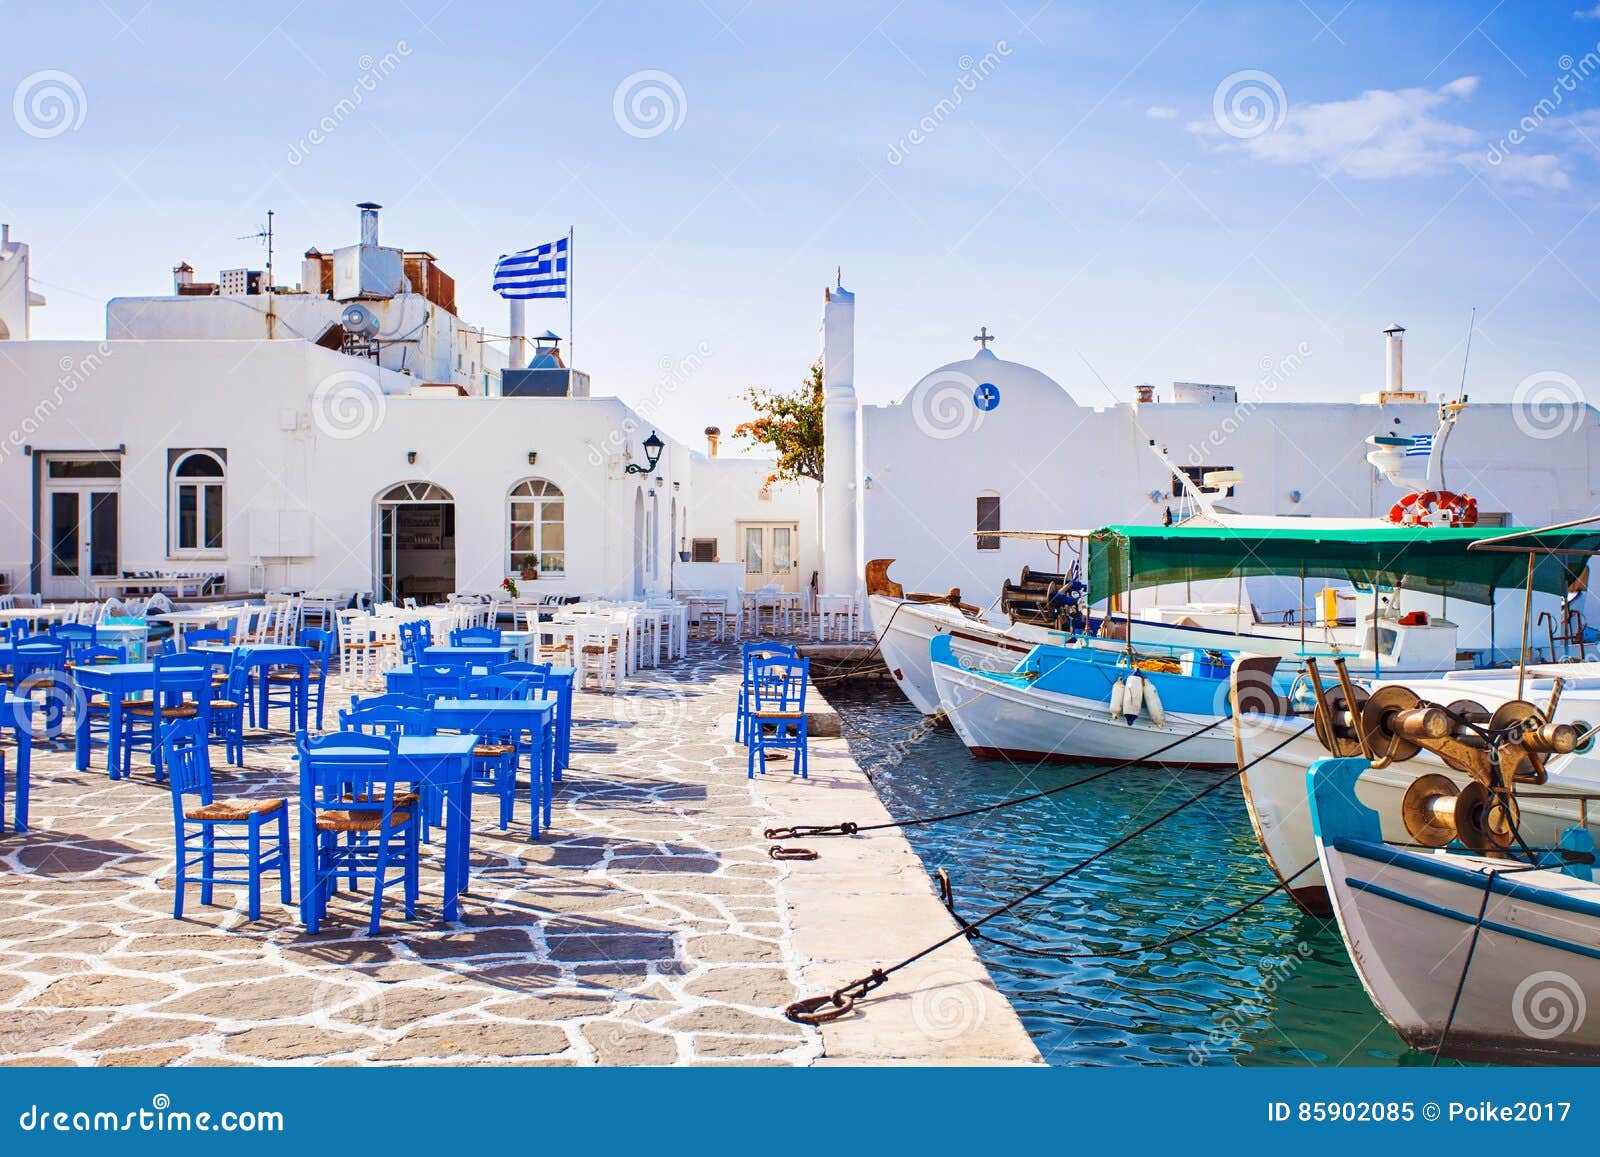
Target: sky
x=1122, y=193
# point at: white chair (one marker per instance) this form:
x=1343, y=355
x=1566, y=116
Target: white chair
x=835, y=618
x=600, y=645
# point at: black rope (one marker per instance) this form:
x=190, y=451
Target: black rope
x=1013, y=946
x=1461, y=981
x=850, y=828
x=831, y=1006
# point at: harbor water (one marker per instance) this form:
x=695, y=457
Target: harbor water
x=1269, y=987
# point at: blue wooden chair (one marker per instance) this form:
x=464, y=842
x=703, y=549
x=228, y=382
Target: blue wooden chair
x=182, y=690
x=439, y=680
x=475, y=637
x=227, y=709
x=40, y=667
x=293, y=686
x=358, y=797
x=415, y=638
x=209, y=636
x=208, y=828
x=76, y=637
x=394, y=714
x=776, y=717
x=751, y=653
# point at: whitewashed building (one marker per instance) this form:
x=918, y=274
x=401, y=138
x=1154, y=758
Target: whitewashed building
x=351, y=433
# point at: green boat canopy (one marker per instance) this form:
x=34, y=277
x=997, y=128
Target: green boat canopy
x=1433, y=559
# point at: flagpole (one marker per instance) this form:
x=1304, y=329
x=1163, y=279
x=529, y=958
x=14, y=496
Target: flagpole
x=572, y=357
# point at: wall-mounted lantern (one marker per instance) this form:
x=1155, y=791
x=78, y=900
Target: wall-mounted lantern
x=653, y=445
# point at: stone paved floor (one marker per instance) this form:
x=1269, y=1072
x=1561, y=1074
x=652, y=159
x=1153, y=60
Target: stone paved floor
x=649, y=927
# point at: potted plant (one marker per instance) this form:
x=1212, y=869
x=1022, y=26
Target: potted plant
x=510, y=587
x=530, y=568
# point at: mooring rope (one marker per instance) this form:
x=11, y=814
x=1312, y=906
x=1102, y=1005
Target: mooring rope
x=842, y=1000
x=851, y=828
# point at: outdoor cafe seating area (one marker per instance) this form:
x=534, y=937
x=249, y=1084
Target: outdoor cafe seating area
x=398, y=718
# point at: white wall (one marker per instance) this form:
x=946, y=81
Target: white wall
x=259, y=401
x=1059, y=465
x=729, y=490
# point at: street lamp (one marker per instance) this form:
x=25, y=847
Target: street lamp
x=653, y=445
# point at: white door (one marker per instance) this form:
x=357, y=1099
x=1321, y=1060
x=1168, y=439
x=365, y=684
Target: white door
x=767, y=549
x=81, y=521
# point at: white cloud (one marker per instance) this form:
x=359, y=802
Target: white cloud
x=1539, y=171
x=1381, y=133
x=1587, y=13
x=1160, y=112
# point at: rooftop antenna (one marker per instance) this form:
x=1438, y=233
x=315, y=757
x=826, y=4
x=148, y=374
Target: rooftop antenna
x=1461, y=391
x=264, y=234
x=838, y=276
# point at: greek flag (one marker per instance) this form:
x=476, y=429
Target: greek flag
x=1421, y=446
x=537, y=272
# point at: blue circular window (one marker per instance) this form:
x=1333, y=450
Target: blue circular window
x=986, y=397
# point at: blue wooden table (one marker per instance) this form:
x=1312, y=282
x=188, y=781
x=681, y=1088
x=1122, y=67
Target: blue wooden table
x=561, y=681
x=471, y=655
x=258, y=657
x=440, y=761
x=19, y=717
x=512, y=717
x=116, y=681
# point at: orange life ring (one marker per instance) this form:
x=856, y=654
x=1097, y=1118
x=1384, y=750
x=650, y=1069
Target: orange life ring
x=1435, y=508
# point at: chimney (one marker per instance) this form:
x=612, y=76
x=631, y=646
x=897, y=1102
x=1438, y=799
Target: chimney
x=5, y=235
x=369, y=222
x=712, y=434
x=1394, y=375
x=182, y=275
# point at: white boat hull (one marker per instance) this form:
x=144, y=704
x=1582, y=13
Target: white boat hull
x=1409, y=930
x=998, y=720
x=1280, y=808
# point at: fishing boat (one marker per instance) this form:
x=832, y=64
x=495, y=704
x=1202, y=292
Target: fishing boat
x=1086, y=704
x=1472, y=955
x=1280, y=736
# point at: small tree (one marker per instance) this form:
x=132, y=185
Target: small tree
x=791, y=424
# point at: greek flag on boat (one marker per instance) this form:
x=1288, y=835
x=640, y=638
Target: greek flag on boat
x=1421, y=446
x=537, y=272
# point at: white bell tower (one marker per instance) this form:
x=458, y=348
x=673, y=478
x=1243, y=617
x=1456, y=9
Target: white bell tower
x=841, y=417
x=16, y=298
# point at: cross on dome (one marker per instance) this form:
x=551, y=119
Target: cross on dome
x=983, y=337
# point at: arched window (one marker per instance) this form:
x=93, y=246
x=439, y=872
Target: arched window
x=195, y=502
x=536, y=514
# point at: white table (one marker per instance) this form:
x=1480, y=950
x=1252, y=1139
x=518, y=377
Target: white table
x=181, y=621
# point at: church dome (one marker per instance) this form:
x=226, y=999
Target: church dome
x=956, y=397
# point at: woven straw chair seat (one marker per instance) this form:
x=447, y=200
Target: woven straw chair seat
x=234, y=809
x=357, y=821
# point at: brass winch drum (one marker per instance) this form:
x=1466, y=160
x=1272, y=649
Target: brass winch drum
x=1435, y=813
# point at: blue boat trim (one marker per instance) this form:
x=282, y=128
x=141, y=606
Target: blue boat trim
x=1440, y=867
x=1464, y=918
